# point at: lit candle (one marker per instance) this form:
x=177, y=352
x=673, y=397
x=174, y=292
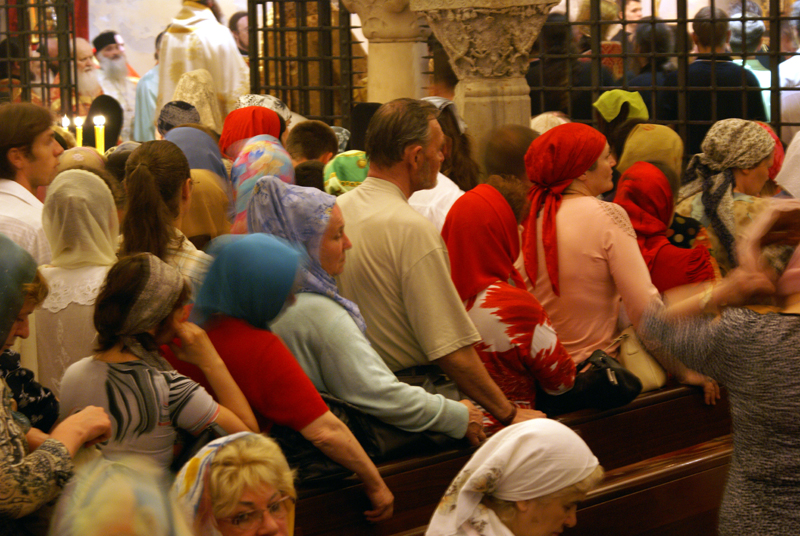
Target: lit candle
x=65, y=122
x=79, y=131
x=100, y=133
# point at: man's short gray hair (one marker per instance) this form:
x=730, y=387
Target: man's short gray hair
x=395, y=126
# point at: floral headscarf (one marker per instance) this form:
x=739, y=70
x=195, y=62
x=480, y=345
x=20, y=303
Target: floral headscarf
x=299, y=215
x=521, y=462
x=729, y=144
x=262, y=156
x=191, y=487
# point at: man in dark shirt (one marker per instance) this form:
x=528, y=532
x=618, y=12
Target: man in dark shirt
x=712, y=66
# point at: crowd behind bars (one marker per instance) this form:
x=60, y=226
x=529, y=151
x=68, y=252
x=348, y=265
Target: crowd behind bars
x=171, y=305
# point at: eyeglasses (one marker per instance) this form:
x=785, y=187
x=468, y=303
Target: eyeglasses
x=249, y=520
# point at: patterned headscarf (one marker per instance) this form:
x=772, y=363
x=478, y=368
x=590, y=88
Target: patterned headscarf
x=198, y=89
x=17, y=268
x=299, y=215
x=262, y=156
x=553, y=161
x=266, y=101
x=245, y=123
x=345, y=171
x=521, y=462
x=191, y=486
x=80, y=220
x=730, y=144
x=342, y=136
x=176, y=113
x=154, y=302
x=482, y=240
x=250, y=279
x=81, y=156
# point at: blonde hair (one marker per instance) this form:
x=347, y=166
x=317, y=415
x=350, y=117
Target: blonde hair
x=37, y=290
x=250, y=462
x=507, y=510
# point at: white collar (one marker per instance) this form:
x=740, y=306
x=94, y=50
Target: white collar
x=11, y=187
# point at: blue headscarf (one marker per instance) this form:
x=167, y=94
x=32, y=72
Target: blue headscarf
x=200, y=149
x=299, y=215
x=250, y=279
x=17, y=268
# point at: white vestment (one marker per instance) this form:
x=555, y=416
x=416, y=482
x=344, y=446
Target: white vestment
x=195, y=40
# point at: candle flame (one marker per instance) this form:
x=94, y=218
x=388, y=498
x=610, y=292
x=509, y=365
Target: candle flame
x=65, y=122
x=99, y=120
x=79, y=122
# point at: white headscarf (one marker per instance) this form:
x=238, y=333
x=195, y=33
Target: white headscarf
x=521, y=462
x=80, y=220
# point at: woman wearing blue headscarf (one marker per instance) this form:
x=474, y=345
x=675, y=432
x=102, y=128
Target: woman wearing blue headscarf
x=250, y=281
x=325, y=331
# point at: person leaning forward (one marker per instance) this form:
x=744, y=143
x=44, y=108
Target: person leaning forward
x=398, y=271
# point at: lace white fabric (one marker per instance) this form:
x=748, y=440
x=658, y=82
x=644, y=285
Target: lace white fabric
x=65, y=322
x=80, y=285
x=620, y=217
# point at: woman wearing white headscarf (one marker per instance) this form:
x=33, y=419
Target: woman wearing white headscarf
x=81, y=225
x=526, y=480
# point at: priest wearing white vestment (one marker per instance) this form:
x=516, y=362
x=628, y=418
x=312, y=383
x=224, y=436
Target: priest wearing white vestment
x=195, y=40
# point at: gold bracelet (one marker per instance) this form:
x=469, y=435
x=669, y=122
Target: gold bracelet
x=705, y=298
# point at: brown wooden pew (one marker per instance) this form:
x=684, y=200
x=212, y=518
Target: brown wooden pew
x=655, y=424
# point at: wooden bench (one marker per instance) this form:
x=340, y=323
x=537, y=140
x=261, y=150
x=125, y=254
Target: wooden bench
x=655, y=424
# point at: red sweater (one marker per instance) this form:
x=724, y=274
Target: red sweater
x=267, y=373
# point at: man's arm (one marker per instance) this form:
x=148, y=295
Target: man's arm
x=466, y=369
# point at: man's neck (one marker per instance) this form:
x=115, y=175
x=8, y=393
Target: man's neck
x=715, y=50
x=395, y=175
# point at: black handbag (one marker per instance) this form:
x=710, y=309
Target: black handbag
x=605, y=384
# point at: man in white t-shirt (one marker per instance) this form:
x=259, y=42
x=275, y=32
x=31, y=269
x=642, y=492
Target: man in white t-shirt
x=398, y=271
x=28, y=159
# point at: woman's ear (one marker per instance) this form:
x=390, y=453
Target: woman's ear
x=523, y=506
x=186, y=189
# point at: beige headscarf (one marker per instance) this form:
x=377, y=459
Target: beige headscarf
x=652, y=143
x=207, y=215
x=197, y=88
x=80, y=220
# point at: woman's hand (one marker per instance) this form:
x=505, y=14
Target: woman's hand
x=85, y=428
x=382, y=504
x=475, y=433
x=528, y=414
x=709, y=385
x=196, y=348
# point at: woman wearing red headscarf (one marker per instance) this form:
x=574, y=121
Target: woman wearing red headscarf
x=581, y=253
x=519, y=346
x=245, y=123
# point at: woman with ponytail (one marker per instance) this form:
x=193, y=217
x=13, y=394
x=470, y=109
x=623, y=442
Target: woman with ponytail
x=157, y=177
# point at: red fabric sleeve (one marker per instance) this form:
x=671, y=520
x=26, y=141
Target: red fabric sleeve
x=267, y=373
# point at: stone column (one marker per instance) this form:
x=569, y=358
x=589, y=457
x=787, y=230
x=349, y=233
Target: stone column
x=488, y=42
x=397, y=44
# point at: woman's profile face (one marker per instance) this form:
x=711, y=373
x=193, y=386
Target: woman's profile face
x=258, y=512
x=535, y=518
x=334, y=244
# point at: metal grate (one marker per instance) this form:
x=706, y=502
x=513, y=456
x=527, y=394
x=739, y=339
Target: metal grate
x=36, y=64
x=303, y=52
x=565, y=78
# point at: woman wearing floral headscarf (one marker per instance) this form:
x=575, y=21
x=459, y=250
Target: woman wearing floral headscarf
x=239, y=484
x=728, y=177
x=525, y=481
x=261, y=156
x=325, y=331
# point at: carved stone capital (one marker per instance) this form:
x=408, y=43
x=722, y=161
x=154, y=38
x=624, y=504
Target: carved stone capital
x=486, y=38
x=389, y=20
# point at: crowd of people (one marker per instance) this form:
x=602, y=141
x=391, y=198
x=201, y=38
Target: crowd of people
x=182, y=313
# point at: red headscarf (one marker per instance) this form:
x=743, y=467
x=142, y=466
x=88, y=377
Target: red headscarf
x=244, y=123
x=644, y=192
x=482, y=240
x=779, y=152
x=553, y=161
